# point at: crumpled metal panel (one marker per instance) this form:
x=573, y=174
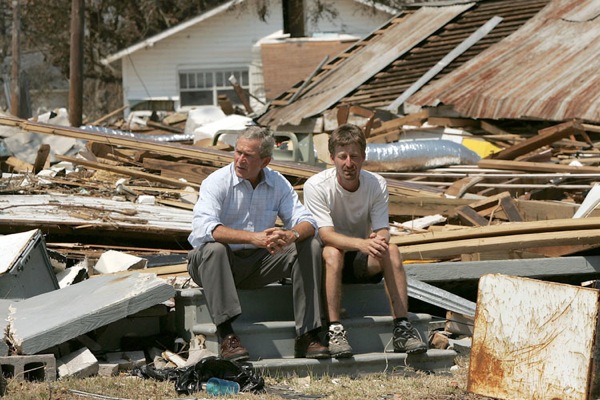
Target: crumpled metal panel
x=548, y=69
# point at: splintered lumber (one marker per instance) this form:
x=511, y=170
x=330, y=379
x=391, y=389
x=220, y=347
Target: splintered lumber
x=545, y=137
x=506, y=243
x=128, y=172
x=78, y=215
x=510, y=209
x=109, y=115
x=423, y=206
x=461, y=186
x=194, y=173
x=216, y=158
x=19, y=165
x=536, y=167
x=505, y=229
x=41, y=158
x=396, y=124
x=470, y=217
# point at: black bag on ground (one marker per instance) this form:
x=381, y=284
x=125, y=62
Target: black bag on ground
x=189, y=379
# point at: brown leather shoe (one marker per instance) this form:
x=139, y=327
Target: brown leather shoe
x=232, y=349
x=308, y=345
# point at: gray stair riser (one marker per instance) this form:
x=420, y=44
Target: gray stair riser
x=276, y=339
x=274, y=303
x=434, y=360
x=266, y=328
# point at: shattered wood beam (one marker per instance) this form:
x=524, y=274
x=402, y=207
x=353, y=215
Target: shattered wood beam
x=41, y=158
x=216, y=157
x=470, y=217
x=172, y=169
x=545, y=137
x=510, y=209
x=511, y=242
x=128, y=172
x=461, y=186
x=423, y=206
x=109, y=115
x=536, y=167
x=506, y=229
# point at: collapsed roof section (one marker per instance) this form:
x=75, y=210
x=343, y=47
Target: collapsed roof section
x=548, y=70
x=380, y=68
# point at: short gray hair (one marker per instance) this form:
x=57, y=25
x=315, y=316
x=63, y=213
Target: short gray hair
x=267, y=141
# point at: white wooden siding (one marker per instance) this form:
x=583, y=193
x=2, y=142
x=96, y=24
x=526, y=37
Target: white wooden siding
x=223, y=40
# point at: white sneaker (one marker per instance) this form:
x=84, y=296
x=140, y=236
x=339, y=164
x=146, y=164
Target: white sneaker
x=338, y=343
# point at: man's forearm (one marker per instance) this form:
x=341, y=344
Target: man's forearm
x=304, y=229
x=340, y=241
x=224, y=234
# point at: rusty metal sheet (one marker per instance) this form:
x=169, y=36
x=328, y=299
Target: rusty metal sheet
x=384, y=87
x=378, y=52
x=548, y=69
x=532, y=339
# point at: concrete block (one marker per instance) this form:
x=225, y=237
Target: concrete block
x=80, y=364
x=108, y=369
x=114, y=261
x=127, y=360
x=35, y=367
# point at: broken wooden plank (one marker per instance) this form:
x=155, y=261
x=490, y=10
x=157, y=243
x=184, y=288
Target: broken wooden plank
x=81, y=215
x=444, y=250
x=461, y=186
x=128, y=172
x=470, y=217
x=41, y=158
x=505, y=229
x=510, y=209
x=194, y=173
x=545, y=137
x=536, y=167
x=459, y=324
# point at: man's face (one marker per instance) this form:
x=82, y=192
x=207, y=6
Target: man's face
x=247, y=160
x=348, y=161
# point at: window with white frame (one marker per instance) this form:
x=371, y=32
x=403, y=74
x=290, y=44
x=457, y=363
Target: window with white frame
x=202, y=87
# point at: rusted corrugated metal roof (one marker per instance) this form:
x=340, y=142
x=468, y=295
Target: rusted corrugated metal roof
x=368, y=57
x=386, y=85
x=390, y=83
x=548, y=69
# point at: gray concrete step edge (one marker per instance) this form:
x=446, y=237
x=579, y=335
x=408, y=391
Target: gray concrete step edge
x=379, y=362
x=275, y=339
x=274, y=302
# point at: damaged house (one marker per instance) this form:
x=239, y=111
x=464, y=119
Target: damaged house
x=190, y=64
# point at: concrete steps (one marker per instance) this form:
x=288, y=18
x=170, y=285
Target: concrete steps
x=266, y=328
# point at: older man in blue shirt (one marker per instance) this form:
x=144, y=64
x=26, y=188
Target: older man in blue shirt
x=237, y=244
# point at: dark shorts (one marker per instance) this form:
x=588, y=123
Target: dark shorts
x=355, y=269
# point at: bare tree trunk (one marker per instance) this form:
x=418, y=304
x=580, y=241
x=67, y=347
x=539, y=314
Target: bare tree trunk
x=15, y=92
x=76, y=64
x=293, y=17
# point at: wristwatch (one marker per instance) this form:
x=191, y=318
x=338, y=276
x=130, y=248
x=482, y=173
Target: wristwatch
x=296, y=234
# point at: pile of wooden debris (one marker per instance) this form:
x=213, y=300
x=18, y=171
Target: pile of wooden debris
x=141, y=191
